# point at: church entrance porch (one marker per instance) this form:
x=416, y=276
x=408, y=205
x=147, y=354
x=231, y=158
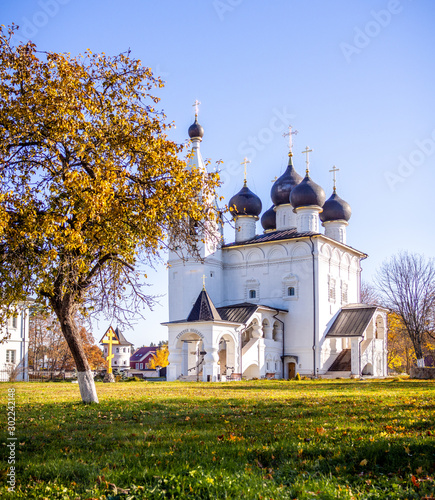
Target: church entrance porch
x=193, y=358
x=290, y=366
x=186, y=357
x=227, y=357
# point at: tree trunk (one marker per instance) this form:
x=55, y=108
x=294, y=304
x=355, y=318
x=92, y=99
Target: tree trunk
x=65, y=314
x=418, y=351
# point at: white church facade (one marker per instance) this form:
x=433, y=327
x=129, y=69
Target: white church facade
x=274, y=304
x=14, y=351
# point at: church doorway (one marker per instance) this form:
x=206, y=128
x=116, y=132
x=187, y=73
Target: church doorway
x=192, y=356
x=291, y=370
x=227, y=357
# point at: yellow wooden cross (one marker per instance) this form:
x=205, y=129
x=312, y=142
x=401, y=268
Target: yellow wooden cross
x=334, y=170
x=290, y=140
x=196, y=104
x=307, y=151
x=203, y=281
x=112, y=339
x=244, y=162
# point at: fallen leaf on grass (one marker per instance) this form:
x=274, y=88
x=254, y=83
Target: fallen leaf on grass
x=363, y=462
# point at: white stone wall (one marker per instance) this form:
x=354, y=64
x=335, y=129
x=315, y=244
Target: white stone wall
x=271, y=268
x=285, y=217
x=18, y=341
x=336, y=230
x=338, y=278
x=185, y=282
x=263, y=274
x=245, y=226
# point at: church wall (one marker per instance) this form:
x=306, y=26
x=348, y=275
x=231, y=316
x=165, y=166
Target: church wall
x=271, y=270
x=18, y=342
x=185, y=282
x=339, y=282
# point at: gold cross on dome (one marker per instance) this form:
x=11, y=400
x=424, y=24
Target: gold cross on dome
x=334, y=171
x=307, y=161
x=290, y=140
x=244, y=162
x=196, y=104
x=203, y=281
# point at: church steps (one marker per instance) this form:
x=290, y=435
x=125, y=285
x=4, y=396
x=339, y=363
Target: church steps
x=248, y=346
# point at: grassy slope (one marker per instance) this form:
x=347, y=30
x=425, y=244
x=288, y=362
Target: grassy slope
x=259, y=439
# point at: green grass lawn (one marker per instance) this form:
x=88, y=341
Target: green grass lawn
x=252, y=440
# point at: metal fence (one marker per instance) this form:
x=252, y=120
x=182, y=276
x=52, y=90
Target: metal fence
x=36, y=375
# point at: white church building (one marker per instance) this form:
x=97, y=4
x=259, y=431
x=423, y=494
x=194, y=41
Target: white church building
x=274, y=304
x=14, y=346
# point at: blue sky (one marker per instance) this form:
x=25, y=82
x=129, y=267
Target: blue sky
x=355, y=79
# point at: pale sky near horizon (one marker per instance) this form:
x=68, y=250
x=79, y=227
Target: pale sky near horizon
x=356, y=79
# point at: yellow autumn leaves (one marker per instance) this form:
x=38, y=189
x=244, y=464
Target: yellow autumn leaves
x=95, y=180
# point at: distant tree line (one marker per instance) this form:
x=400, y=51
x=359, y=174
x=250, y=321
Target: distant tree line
x=405, y=285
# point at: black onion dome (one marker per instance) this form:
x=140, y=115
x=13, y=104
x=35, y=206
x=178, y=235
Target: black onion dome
x=307, y=193
x=268, y=219
x=196, y=130
x=280, y=192
x=335, y=208
x=245, y=202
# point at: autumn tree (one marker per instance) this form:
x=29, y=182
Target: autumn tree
x=401, y=353
x=369, y=294
x=160, y=358
x=407, y=284
x=91, y=186
x=49, y=350
x=47, y=346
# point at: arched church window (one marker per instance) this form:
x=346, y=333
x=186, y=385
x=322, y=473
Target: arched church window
x=252, y=294
x=344, y=293
x=289, y=287
x=331, y=289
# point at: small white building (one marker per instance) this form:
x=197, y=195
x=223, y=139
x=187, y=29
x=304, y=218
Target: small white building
x=282, y=302
x=121, y=349
x=14, y=350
